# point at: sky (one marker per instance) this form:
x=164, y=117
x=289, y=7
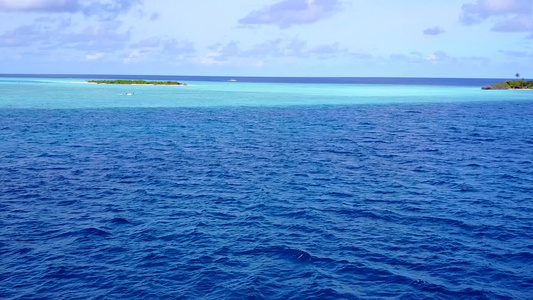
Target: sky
x=319, y=38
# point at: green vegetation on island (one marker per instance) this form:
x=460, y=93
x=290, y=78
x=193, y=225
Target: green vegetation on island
x=120, y=81
x=520, y=84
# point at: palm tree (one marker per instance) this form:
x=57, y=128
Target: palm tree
x=522, y=82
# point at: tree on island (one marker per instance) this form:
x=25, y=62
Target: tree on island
x=121, y=81
x=510, y=84
x=522, y=81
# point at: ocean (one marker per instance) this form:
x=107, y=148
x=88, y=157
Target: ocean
x=265, y=188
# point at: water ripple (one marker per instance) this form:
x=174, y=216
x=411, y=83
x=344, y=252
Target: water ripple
x=377, y=202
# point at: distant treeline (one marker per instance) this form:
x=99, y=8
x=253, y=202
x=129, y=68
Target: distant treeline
x=120, y=81
x=510, y=84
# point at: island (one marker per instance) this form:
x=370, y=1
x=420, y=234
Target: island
x=143, y=82
x=510, y=85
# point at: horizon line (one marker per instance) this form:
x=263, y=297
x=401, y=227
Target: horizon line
x=240, y=76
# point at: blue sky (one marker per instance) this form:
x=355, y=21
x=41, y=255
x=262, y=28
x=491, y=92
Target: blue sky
x=357, y=38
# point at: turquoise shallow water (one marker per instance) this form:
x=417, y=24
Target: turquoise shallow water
x=253, y=190
x=53, y=93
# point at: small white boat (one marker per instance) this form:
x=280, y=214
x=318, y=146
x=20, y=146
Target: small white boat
x=130, y=94
x=232, y=80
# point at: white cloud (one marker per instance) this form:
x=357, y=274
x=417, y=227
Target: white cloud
x=512, y=53
x=52, y=34
x=211, y=59
x=135, y=56
x=326, y=51
x=435, y=58
x=178, y=47
x=160, y=49
x=434, y=31
x=151, y=42
x=519, y=23
x=508, y=15
x=40, y=5
x=232, y=53
x=94, y=56
x=109, y=9
x=287, y=13
x=278, y=48
x=411, y=58
x=104, y=35
x=23, y=36
x=103, y=9
x=439, y=56
x=473, y=13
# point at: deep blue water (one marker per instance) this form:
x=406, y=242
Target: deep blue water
x=429, y=201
